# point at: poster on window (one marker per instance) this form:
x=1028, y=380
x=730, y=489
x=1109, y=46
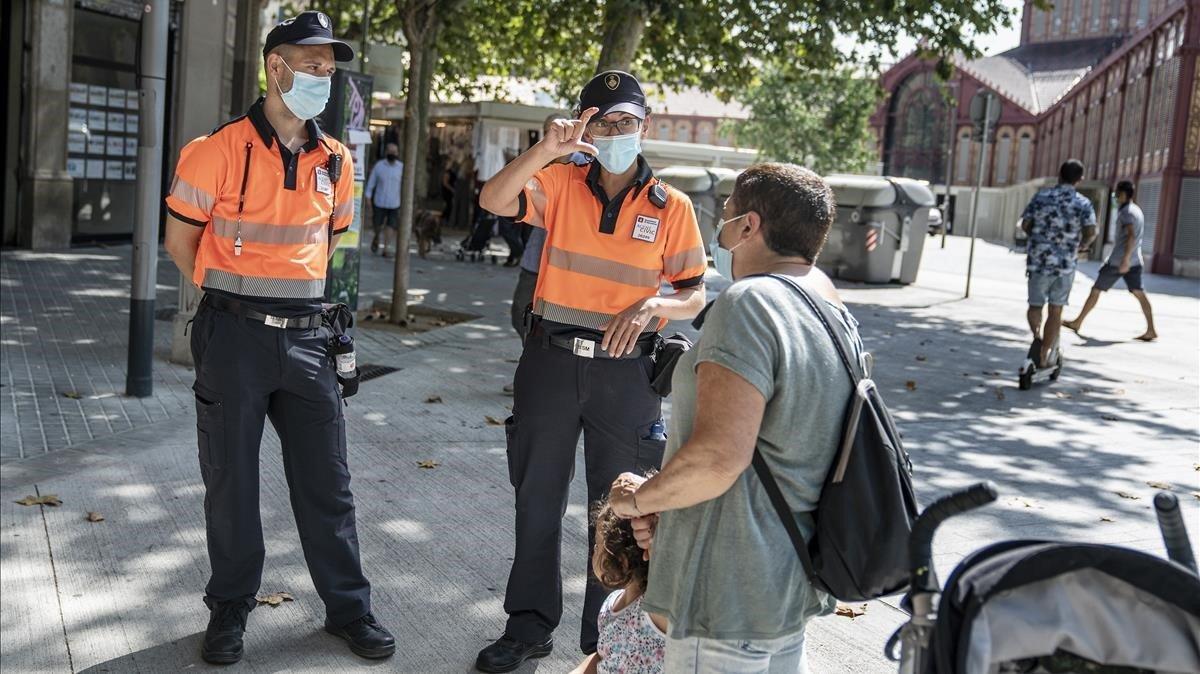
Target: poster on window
x=114, y=170
x=131, y=170
x=132, y=99
x=97, y=95
x=96, y=120
x=79, y=93
x=116, y=122
x=96, y=144
x=116, y=146
x=76, y=143
x=116, y=98
x=131, y=147
x=95, y=168
x=76, y=167
x=77, y=119
x=131, y=123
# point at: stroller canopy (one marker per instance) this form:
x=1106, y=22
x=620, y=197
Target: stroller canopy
x=1027, y=599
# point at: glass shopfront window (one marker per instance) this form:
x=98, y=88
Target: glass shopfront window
x=103, y=124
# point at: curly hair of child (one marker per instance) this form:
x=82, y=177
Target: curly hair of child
x=620, y=562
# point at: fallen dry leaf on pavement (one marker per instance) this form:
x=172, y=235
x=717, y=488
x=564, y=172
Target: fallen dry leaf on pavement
x=921, y=358
x=275, y=598
x=1197, y=495
x=1106, y=519
x=428, y=463
x=999, y=393
x=72, y=395
x=1125, y=494
x=1160, y=485
x=1062, y=394
x=849, y=611
x=45, y=499
x=1110, y=417
x=1196, y=466
x=493, y=421
x=94, y=517
x=910, y=385
x=1118, y=392
x=433, y=399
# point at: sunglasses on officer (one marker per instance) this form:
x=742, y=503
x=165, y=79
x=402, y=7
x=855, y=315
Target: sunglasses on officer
x=614, y=127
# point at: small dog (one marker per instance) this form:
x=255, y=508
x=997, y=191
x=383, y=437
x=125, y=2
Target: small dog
x=427, y=226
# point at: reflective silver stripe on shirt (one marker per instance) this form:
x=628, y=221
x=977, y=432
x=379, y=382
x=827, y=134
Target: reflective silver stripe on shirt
x=192, y=195
x=581, y=317
x=258, y=286
x=609, y=270
x=343, y=210
x=680, y=262
x=261, y=232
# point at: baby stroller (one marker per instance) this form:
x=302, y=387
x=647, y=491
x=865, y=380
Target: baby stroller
x=476, y=244
x=1035, y=607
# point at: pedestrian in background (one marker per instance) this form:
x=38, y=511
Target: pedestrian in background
x=764, y=376
x=1061, y=223
x=383, y=193
x=257, y=241
x=1125, y=262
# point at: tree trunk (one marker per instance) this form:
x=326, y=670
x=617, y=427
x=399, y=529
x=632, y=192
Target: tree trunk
x=430, y=62
x=624, y=23
x=413, y=95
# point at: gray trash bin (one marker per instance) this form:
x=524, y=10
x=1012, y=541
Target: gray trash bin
x=879, y=233
x=700, y=184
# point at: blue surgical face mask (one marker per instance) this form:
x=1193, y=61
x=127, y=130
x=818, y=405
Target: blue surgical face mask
x=617, y=153
x=308, y=95
x=723, y=257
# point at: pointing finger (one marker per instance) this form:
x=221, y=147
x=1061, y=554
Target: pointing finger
x=587, y=114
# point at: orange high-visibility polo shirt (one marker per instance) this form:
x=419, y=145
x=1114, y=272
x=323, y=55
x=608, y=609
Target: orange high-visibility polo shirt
x=284, y=223
x=601, y=255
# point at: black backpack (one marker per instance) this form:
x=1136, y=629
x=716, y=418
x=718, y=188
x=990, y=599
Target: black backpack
x=859, y=549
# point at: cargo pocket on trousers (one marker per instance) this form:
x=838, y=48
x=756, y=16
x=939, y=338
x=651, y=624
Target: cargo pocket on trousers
x=510, y=449
x=210, y=430
x=652, y=442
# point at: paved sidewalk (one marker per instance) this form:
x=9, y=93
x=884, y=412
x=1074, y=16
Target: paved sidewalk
x=122, y=595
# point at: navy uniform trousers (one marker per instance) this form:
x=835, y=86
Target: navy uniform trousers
x=247, y=372
x=557, y=395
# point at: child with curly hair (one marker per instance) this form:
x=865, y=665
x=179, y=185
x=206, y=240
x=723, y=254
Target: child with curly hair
x=631, y=640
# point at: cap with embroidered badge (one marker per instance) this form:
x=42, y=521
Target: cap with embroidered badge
x=308, y=28
x=614, y=91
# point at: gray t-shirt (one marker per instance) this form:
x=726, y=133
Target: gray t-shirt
x=725, y=569
x=1129, y=214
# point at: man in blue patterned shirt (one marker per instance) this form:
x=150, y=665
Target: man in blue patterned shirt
x=1060, y=223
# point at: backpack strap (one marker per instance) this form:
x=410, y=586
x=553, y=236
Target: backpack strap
x=770, y=485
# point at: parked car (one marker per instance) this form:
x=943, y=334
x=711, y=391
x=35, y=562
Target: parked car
x=936, y=224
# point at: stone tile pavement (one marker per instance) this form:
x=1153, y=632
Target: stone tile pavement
x=122, y=595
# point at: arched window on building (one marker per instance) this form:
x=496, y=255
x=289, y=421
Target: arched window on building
x=1003, y=157
x=1114, y=15
x=916, y=134
x=1094, y=24
x=1076, y=21
x=664, y=129
x=704, y=133
x=1024, y=156
x=1143, y=14
x=1037, y=22
x=683, y=131
x=1056, y=18
x=962, y=168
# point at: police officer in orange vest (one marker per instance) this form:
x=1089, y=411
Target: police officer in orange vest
x=255, y=210
x=614, y=234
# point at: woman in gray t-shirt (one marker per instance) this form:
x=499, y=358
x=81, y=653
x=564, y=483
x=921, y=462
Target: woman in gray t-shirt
x=764, y=375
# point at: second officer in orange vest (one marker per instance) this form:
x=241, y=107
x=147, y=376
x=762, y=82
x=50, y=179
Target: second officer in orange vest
x=614, y=235
x=255, y=210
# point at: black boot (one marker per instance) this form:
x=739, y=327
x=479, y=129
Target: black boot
x=506, y=654
x=223, y=638
x=366, y=637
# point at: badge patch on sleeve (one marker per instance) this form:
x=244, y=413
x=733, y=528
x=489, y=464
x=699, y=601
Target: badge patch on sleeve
x=323, y=184
x=645, y=228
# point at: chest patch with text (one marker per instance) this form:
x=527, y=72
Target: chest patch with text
x=324, y=186
x=645, y=228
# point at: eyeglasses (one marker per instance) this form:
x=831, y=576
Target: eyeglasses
x=601, y=127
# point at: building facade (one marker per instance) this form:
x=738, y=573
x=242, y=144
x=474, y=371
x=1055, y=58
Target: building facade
x=1112, y=83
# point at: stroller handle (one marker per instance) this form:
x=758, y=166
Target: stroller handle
x=920, y=541
x=1174, y=533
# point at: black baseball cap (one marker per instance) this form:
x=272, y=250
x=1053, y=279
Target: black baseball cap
x=614, y=91
x=308, y=28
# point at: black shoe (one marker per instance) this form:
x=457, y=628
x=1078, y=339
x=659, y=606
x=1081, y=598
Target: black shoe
x=223, y=638
x=506, y=654
x=366, y=637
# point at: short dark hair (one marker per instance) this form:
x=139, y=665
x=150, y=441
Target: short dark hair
x=796, y=206
x=1126, y=187
x=1071, y=171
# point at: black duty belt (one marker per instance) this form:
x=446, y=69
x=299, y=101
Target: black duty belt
x=235, y=307
x=586, y=348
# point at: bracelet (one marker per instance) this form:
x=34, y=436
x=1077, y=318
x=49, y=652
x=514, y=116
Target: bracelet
x=636, y=509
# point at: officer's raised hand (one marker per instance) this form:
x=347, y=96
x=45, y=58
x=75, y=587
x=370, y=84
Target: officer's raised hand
x=566, y=136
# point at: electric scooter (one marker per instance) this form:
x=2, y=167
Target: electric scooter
x=1030, y=373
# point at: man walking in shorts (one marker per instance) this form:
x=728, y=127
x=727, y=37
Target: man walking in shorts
x=1125, y=262
x=383, y=193
x=1060, y=222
